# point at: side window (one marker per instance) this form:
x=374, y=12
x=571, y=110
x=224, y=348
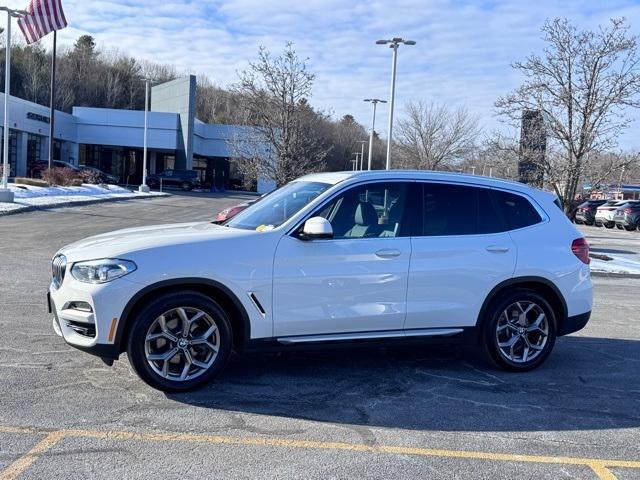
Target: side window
x=375, y=210
x=516, y=210
x=449, y=209
x=489, y=219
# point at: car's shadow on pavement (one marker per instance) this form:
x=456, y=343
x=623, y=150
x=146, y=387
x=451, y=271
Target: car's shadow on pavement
x=587, y=383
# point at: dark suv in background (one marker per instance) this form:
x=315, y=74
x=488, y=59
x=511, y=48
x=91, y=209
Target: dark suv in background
x=586, y=212
x=184, y=179
x=627, y=216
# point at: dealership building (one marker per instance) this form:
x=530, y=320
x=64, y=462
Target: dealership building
x=112, y=140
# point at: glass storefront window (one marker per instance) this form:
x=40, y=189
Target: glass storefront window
x=13, y=151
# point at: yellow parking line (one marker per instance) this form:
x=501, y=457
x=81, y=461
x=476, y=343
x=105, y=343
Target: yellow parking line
x=599, y=466
x=20, y=465
x=602, y=471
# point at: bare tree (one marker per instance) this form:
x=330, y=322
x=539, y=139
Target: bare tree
x=433, y=136
x=274, y=91
x=611, y=168
x=582, y=84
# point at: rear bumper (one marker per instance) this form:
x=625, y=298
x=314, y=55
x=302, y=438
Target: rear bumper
x=585, y=217
x=626, y=222
x=574, y=323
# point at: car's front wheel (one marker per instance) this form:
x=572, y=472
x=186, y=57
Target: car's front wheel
x=180, y=341
x=186, y=186
x=520, y=330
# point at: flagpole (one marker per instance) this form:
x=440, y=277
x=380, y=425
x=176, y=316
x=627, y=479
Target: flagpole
x=7, y=92
x=52, y=98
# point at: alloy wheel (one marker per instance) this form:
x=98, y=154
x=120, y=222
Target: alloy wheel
x=182, y=343
x=522, y=332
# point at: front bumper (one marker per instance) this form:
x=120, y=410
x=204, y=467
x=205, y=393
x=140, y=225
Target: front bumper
x=90, y=331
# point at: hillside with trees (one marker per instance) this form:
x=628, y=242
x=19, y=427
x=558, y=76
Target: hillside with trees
x=94, y=77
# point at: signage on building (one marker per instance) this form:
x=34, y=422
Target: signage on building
x=38, y=117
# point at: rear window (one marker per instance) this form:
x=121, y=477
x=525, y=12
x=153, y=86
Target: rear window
x=558, y=203
x=516, y=210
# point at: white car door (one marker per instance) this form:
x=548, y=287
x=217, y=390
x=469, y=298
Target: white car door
x=459, y=253
x=354, y=282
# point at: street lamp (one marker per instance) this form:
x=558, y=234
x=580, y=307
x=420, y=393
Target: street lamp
x=361, y=142
x=144, y=187
x=6, y=195
x=394, y=43
x=374, y=102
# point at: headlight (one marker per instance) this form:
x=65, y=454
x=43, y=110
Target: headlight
x=101, y=271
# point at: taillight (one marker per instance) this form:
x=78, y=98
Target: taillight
x=580, y=249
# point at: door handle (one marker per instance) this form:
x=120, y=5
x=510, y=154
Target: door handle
x=388, y=253
x=497, y=248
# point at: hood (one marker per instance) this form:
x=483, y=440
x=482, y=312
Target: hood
x=122, y=243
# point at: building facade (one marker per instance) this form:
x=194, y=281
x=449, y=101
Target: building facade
x=112, y=140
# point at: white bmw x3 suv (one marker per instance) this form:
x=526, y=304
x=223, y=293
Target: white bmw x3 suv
x=331, y=258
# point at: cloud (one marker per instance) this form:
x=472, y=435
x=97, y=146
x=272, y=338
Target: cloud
x=463, y=53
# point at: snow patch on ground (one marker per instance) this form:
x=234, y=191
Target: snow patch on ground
x=617, y=265
x=28, y=197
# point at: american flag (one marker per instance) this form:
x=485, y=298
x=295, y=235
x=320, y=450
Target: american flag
x=43, y=17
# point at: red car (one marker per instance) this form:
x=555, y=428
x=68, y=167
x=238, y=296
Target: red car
x=231, y=212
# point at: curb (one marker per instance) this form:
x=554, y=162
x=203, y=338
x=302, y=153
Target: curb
x=615, y=275
x=31, y=208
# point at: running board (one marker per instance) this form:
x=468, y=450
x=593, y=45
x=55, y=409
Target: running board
x=424, y=332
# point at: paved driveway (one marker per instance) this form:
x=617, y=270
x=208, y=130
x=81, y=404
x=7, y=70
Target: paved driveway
x=420, y=412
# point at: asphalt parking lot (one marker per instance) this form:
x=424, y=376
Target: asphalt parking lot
x=419, y=412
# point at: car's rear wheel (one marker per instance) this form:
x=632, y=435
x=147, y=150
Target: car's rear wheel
x=180, y=341
x=519, y=330
x=609, y=225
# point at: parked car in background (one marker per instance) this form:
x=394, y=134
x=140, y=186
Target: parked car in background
x=36, y=168
x=184, y=179
x=586, y=212
x=95, y=175
x=229, y=213
x=605, y=212
x=627, y=216
x=331, y=258
x=88, y=174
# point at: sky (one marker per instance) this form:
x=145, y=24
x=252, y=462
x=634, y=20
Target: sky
x=462, y=57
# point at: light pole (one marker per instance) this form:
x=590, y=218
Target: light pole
x=144, y=187
x=394, y=43
x=355, y=161
x=361, y=142
x=6, y=195
x=374, y=102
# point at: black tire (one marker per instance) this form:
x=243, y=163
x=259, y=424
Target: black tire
x=146, y=318
x=490, y=326
x=609, y=225
x=186, y=186
x=598, y=224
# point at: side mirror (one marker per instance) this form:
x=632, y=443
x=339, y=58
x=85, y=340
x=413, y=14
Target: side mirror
x=316, y=228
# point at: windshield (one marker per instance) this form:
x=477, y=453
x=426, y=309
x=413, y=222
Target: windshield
x=278, y=207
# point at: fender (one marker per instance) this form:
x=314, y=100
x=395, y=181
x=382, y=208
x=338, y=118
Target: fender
x=189, y=282
x=520, y=280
